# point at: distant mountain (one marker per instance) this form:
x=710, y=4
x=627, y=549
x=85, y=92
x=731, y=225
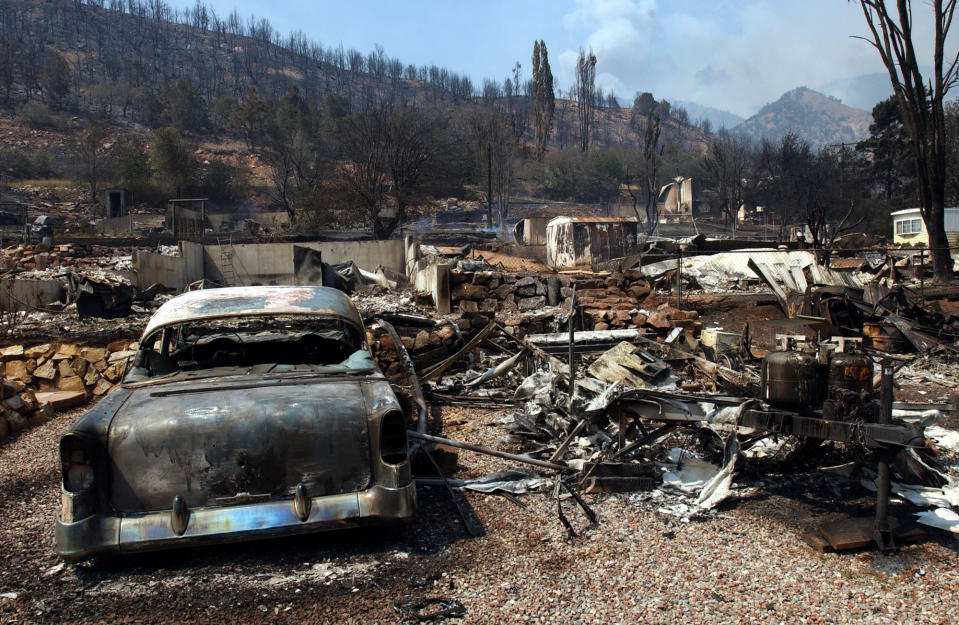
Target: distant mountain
x=717, y=117
x=818, y=118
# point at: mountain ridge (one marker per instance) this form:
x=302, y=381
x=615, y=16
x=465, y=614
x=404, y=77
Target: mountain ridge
x=816, y=117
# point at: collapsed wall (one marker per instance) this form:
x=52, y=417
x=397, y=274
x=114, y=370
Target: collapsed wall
x=615, y=301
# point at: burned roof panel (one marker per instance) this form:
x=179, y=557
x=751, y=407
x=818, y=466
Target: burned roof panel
x=254, y=300
x=590, y=220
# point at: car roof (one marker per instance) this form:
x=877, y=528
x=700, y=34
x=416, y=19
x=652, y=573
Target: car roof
x=246, y=301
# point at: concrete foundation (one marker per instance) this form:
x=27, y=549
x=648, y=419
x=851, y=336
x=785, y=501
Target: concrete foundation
x=272, y=263
x=174, y=272
x=21, y=294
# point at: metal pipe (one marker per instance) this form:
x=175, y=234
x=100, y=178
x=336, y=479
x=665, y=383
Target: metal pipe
x=558, y=454
x=882, y=532
x=572, y=347
x=886, y=393
x=679, y=278
x=490, y=452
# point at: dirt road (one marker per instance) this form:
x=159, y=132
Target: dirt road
x=638, y=565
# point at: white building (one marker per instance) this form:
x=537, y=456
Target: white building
x=908, y=227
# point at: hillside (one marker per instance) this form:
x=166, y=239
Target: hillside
x=813, y=116
x=124, y=63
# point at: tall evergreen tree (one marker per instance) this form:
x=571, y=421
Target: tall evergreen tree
x=585, y=96
x=544, y=103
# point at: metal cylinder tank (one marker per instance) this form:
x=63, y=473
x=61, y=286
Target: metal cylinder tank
x=792, y=380
x=850, y=372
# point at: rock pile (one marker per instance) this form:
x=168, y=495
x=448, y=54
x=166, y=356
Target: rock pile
x=47, y=377
x=20, y=408
x=40, y=257
x=497, y=291
x=426, y=346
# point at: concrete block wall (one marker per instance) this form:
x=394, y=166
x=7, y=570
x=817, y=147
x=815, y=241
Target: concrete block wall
x=173, y=272
x=272, y=263
x=20, y=294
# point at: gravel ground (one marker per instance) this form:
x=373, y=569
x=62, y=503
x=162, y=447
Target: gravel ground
x=746, y=564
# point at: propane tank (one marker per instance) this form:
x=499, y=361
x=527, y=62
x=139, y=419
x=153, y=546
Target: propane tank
x=792, y=380
x=850, y=372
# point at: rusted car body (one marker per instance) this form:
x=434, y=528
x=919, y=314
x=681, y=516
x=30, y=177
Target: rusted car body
x=247, y=412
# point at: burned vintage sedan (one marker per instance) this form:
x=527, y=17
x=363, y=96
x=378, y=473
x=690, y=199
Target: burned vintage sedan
x=247, y=412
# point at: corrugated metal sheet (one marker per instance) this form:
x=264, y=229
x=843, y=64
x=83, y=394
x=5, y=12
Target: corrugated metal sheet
x=587, y=220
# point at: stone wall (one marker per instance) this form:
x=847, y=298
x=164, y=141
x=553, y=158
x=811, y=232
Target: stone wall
x=619, y=300
x=39, y=380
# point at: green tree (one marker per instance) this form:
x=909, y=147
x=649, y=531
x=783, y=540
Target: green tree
x=363, y=140
x=132, y=161
x=888, y=146
x=147, y=107
x=585, y=96
x=293, y=151
x=544, y=99
x=643, y=104
x=223, y=182
x=54, y=79
x=952, y=149
x=171, y=159
x=186, y=108
x=222, y=113
x=252, y=118
x=416, y=146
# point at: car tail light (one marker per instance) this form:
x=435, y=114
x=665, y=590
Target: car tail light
x=76, y=465
x=393, y=444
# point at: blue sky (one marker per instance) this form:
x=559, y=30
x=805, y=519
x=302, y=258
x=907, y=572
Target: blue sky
x=731, y=54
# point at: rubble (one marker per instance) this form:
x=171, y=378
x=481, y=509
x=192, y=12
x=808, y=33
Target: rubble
x=655, y=402
x=627, y=337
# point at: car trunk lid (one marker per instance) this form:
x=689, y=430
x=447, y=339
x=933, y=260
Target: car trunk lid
x=221, y=445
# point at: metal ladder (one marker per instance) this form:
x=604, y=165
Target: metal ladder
x=226, y=261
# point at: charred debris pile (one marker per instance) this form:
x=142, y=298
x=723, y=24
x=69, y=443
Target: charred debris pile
x=657, y=405
x=607, y=378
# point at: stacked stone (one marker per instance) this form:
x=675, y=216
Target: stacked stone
x=41, y=256
x=620, y=300
x=92, y=371
x=20, y=408
x=498, y=291
x=425, y=346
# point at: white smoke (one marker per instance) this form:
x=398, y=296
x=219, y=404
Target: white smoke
x=733, y=55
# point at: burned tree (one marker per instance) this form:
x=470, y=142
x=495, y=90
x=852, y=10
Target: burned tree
x=91, y=157
x=921, y=104
x=652, y=154
x=726, y=164
x=364, y=140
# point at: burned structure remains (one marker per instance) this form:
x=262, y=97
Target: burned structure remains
x=604, y=358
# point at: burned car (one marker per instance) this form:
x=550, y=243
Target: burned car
x=246, y=412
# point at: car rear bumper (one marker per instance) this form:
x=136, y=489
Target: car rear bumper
x=102, y=534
